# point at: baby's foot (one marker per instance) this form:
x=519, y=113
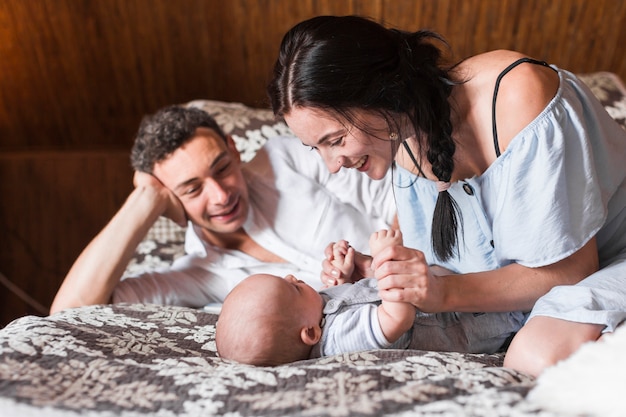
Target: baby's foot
x=384, y=238
x=343, y=259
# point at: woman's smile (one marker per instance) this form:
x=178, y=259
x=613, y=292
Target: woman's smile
x=361, y=163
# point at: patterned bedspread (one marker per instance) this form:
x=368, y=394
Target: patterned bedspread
x=139, y=360
x=127, y=360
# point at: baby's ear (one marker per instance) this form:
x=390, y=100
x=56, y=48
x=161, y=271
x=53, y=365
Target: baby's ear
x=311, y=335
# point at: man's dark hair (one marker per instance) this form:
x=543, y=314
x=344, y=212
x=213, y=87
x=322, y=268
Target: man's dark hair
x=161, y=133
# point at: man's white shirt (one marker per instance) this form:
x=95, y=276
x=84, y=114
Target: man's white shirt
x=296, y=209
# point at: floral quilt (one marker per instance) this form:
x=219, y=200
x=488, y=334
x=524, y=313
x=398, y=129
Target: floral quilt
x=131, y=360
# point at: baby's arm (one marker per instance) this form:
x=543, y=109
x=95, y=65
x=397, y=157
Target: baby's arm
x=395, y=318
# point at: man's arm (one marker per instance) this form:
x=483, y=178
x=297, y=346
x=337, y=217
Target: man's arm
x=100, y=266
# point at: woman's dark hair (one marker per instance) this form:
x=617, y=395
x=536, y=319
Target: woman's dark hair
x=341, y=64
x=161, y=133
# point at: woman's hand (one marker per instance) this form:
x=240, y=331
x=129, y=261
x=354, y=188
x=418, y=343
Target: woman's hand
x=173, y=209
x=404, y=275
x=332, y=276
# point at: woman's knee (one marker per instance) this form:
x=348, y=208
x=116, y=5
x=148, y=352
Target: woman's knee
x=544, y=341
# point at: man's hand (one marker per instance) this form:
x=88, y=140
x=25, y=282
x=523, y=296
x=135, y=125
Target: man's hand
x=174, y=209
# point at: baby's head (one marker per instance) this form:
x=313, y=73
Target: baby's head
x=267, y=320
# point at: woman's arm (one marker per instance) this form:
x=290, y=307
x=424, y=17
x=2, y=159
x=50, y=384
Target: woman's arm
x=511, y=288
x=98, y=269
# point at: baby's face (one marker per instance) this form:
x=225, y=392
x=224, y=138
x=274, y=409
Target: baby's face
x=304, y=295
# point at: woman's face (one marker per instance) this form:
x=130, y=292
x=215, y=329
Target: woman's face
x=343, y=145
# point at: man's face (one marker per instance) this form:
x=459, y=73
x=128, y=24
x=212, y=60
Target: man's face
x=205, y=174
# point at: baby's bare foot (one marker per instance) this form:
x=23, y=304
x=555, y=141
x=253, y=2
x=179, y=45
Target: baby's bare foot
x=384, y=238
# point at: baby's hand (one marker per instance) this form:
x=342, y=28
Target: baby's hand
x=172, y=208
x=330, y=274
x=340, y=249
x=343, y=260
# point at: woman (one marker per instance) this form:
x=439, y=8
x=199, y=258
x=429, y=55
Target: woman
x=507, y=171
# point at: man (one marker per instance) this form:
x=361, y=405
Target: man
x=275, y=215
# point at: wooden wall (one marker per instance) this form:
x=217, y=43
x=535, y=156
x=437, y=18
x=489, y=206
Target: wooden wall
x=77, y=75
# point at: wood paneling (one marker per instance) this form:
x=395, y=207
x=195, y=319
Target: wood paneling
x=80, y=74
x=76, y=76
x=580, y=35
x=52, y=204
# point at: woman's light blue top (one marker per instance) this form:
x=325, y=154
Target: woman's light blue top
x=560, y=182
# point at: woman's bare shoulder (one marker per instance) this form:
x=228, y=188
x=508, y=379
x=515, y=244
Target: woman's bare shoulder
x=523, y=92
x=486, y=67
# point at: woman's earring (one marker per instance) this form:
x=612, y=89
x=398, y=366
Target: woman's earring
x=393, y=136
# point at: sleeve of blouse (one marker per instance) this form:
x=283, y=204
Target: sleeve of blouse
x=555, y=182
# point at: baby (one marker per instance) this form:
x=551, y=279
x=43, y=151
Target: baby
x=267, y=320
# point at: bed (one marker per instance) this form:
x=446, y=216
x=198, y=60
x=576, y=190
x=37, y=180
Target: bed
x=139, y=360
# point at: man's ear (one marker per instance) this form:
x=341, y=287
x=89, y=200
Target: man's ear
x=311, y=335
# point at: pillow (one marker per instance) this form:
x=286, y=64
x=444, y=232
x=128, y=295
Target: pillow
x=249, y=127
x=610, y=90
